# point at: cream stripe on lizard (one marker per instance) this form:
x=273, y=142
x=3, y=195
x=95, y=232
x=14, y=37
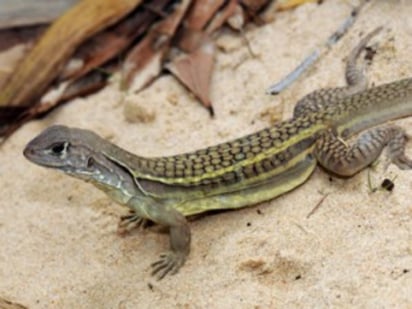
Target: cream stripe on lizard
x=242, y=172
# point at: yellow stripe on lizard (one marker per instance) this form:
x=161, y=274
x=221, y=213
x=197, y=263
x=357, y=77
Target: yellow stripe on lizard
x=242, y=172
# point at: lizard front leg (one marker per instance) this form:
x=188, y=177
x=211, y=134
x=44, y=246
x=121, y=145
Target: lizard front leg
x=345, y=160
x=160, y=213
x=131, y=221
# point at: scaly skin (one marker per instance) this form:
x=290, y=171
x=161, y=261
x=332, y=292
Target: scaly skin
x=242, y=172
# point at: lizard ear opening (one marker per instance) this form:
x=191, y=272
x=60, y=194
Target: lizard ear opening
x=90, y=162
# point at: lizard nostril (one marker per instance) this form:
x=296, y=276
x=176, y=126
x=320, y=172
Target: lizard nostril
x=28, y=151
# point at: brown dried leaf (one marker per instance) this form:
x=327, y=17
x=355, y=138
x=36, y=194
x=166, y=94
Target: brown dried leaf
x=189, y=40
x=194, y=71
x=89, y=83
x=238, y=18
x=14, y=45
x=85, y=85
x=112, y=42
x=283, y=5
x=11, y=37
x=10, y=112
x=43, y=63
x=9, y=61
x=150, y=52
x=254, y=6
x=222, y=16
x=201, y=13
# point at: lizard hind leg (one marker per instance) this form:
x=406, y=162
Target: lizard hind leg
x=346, y=160
x=396, y=149
x=355, y=78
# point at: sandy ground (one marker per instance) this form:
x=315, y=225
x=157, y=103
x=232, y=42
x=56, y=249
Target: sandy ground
x=59, y=247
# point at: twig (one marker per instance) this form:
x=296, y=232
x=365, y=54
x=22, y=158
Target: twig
x=317, y=206
x=314, y=55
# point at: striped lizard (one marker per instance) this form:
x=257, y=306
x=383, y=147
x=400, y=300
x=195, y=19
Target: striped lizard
x=241, y=172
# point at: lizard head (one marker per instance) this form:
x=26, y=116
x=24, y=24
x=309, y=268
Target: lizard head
x=70, y=150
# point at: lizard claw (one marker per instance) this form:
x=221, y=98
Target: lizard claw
x=396, y=149
x=169, y=263
x=130, y=222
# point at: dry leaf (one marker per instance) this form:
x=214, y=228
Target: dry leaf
x=11, y=37
x=150, y=52
x=44, y=61
x=238, y=18
x=112, y=42
x=199, y=15
x=290, y=4
x=254, y=6
x=199, y=19
x=194, y=71
x=9, y=61
x=89, y=83
x=222, y=16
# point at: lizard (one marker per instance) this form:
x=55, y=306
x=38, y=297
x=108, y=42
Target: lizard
x=242, y=172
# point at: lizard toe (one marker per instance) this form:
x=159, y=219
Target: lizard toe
x=168, y=264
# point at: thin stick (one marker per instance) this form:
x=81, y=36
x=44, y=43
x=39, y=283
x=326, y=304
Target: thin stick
x=317, y=206
x=314, y=55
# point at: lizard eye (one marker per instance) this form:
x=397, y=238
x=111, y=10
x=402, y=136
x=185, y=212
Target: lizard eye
x=59, y=148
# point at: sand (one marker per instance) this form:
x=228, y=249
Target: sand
x=59, y=246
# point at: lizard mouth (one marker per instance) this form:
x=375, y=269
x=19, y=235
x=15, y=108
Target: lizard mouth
x=29, y=152
x=37, y=156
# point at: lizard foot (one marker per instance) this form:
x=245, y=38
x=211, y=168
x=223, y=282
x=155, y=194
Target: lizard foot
x=130, y=222
x=169, y=263
x=396, y=149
